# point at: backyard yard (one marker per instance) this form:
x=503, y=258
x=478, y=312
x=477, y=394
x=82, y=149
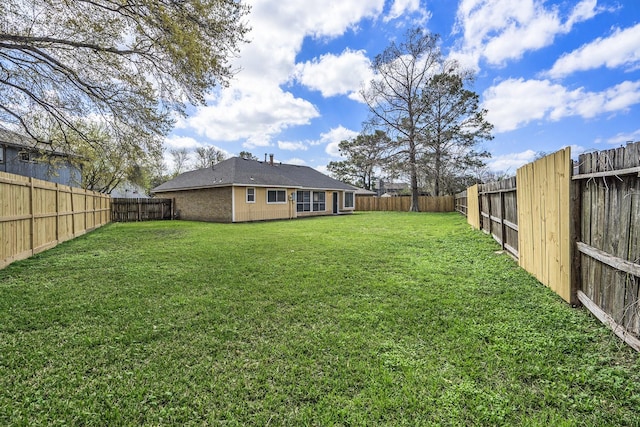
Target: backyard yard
x=367, y=319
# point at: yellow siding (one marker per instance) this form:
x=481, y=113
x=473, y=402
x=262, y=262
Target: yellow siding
x=543, y=220
x=261, y=210
x=473, y=207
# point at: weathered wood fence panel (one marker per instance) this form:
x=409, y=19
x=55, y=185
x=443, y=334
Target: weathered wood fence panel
x=403, y=203
x=131, y=210
x=608, y=186
x=544, y=213
x=36, y=215
x=461, y=202
x=498, y=213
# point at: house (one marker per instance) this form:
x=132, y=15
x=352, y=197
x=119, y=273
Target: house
x=20, y=155
x=239, y=190
x=129, y=190
x=391, y=189
x=362, y=192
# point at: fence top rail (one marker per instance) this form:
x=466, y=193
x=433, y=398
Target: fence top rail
x=151, y=200
x=506, y=190
x=628, y=171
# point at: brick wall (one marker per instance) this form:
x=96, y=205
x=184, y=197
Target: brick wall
x=210, y=204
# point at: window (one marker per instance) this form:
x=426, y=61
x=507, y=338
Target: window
x=318, y=201
x=251, y=195
x=348, y=200
x=276, y=196
x=25, y=156
x=304, y=201
x=1, y=153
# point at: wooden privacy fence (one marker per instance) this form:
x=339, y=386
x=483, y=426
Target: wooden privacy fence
x=577, y=234
x=403, y=203
x=36, y=215
x=499, y=213
x=461, y=202
x=607, y=189
x=127, y=210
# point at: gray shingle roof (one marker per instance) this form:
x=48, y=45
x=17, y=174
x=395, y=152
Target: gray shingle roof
x=19, y=140
x=244, y=172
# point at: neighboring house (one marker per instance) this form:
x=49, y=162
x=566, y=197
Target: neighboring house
x=21, y=156
x=362, y=192
x=390, y=189
x=127, y=190
x=239, y=190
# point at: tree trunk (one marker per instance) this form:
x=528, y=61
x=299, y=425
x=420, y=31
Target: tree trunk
x=438, y=166
x=415, y=206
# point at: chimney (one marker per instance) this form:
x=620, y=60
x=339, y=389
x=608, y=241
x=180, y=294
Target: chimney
x=271, y=159
x=265, y=157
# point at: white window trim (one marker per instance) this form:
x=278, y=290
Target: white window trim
x=246, y=196
x=344, y=200
x=302, y=202
x=324, y=202
x=276, y=202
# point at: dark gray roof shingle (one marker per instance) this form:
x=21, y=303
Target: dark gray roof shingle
x=244, y=172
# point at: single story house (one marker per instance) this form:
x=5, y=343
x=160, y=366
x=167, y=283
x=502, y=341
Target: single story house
x=240, y=190
x=364, y=192
x=20, y=155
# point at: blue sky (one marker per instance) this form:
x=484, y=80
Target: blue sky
x=551, y=73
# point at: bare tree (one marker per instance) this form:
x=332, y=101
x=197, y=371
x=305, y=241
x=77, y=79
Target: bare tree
x=180, y=159
x=395, y=97
x=422, y=103
x=207, y=156
x=454, y=125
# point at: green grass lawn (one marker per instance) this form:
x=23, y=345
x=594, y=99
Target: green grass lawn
x=368, y=319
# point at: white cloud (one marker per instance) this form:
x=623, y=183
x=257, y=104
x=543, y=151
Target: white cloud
x=179, y=142
x=334, y=137
x=621, y=49
x=502, y=30
x=335, y=74
x=256, y=108
x=583, y=11
x=253, y=115
x=402, y=8
x=291, y=146
x=323, y=169
x=510, y=162
x=296, y=161
x=508, y=110
x=624, y=137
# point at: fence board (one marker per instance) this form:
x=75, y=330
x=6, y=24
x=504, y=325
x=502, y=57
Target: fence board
x=403, y=203
x=461, y=202
x=36, y=215
x=543, y=200
x=473, y=207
